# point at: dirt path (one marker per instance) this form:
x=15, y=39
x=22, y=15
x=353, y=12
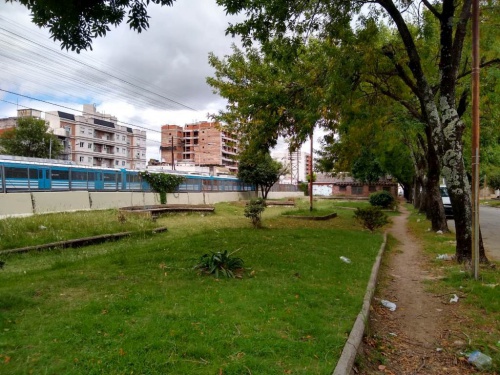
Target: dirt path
x=414, y=339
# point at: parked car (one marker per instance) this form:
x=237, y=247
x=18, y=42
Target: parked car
x=448, y=210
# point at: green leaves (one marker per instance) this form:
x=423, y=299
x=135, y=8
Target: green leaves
x=220, y=264
x=254, y=209
x=30, y=138
x=371, y=217
x=162, y=183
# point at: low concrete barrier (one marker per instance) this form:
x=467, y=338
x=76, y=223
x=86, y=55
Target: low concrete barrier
x=44, y=202
x=285, y=194
x=14, y=204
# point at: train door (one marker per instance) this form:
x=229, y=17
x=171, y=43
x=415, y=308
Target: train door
x=44, y=178
x=99, y=182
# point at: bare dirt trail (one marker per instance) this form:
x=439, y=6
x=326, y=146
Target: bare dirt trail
x=416, y=338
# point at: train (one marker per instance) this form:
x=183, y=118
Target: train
x=21, y=174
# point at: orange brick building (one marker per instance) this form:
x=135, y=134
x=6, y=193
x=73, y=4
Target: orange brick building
x=201, y=143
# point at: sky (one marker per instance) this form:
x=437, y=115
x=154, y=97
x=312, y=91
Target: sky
x=146, y=80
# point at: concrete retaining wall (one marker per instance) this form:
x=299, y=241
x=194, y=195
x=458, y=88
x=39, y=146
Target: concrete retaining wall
x=285, y=194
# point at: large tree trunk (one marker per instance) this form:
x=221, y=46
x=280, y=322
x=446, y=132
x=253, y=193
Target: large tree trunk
x=435, y=208
x=458, y=185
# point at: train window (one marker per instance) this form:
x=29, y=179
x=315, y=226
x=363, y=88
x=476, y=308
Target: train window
x=59, y=175
x=12, y=172
x=91, y=176
x=78, y=176
x=109, y=177
x=33, y=174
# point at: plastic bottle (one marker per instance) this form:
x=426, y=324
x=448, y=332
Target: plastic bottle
x=390, y=305
x=480, y=360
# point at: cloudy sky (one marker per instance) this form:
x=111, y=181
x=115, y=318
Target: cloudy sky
x=147, y=80
x=169, y=59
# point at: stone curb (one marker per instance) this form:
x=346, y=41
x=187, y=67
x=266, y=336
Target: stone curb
x=348, y=356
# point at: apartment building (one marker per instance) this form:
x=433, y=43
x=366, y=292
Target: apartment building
x=200, y=143
x=96, y=139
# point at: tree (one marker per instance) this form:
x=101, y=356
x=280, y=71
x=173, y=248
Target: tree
x=30, y=138
x=432, y=94
x=76, y=23
x=367, y=168
x=260, y=169
x=162, y=183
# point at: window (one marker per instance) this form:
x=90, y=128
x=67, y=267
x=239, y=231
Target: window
x=90, y=159
x=90, y=131
x=81, y=158
x=357, y=190
x=372, y=188
x=117, y=162
x=123, y=162
x=123, y=150
x=123, y=137
x=343, y=188
x=82, y=144
x=82, y=130
x=118, y=149
x=90, y=145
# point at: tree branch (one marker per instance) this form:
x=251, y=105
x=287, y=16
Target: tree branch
x=432, y=9
x=483, y=65
x=411, y=109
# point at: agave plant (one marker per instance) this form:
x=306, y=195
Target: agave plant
x=220, y=264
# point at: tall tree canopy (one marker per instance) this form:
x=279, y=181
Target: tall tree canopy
x=431, y=93
x=30, y=138
x=76, y=23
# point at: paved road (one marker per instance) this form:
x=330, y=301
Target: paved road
x=489, y=218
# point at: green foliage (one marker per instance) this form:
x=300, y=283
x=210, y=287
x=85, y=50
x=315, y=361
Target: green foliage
x=382, y=199
x=220, y=264
x=304, y=187
x=494, y=181
x=260, y=169
x=162, y=183
x=371, y=217
x=75, y=24
x=254, y=210
x=30, y=138
x=367, y=168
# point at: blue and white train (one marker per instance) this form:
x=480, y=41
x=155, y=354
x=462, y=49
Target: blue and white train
x=30, y=174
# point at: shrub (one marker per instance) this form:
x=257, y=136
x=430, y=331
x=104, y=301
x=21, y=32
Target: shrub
x=382, y=199
x=220, y=264
x=371, y=217
x=162, y=183
x=254, y=210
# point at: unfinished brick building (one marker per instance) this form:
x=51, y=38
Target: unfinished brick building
x=200, y=143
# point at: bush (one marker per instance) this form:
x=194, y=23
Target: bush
x=304, y=187
x=254, y=210
x=371, y=218
x=220, y=263
x=382, y=199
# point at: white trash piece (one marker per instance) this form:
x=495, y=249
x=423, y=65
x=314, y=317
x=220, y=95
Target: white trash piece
x=390, y=305
x=480, y=360
x=345, y=260
x=454, y=299
x=444, y=257
x=439, y=232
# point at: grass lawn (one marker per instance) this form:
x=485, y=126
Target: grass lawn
x=478, y=311
x=137, y=306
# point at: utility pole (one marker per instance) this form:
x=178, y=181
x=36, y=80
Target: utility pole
x=475, y=137
x=172, y=151
x=311, y=174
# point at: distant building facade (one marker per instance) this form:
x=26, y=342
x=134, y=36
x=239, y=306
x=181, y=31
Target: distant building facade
x=346, y=186
x=96, y=139
x=200, y=143
x=297, y=164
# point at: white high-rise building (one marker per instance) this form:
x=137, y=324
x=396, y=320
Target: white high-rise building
x=296, y=164
x=96, y=139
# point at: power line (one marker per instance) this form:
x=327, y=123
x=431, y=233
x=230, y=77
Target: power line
x=76, y=110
